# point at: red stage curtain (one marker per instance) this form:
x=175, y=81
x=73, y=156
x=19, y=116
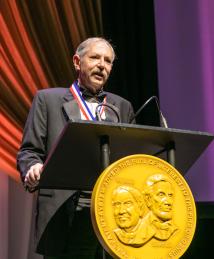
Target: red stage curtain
x=38, y=39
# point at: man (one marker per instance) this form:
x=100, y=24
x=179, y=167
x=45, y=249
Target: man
x=61, y=212
x=159, y=197
x=128, y=210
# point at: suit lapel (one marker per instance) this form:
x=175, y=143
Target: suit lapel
x=110, y=115
x=70, y=107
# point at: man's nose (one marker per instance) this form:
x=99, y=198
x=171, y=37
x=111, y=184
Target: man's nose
x=101, y=63
x=122, y=209
x=168, y=200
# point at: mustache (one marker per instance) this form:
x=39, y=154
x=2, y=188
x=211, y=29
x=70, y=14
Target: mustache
x=99, y=73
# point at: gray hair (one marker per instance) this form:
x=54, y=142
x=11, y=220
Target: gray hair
x=83, y=46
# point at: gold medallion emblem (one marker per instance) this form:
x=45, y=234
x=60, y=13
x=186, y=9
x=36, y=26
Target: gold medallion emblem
x=143, y=208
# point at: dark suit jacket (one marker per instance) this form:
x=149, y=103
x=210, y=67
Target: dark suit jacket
x=50, y=111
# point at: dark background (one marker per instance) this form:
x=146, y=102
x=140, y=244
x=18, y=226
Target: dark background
x=130, y=27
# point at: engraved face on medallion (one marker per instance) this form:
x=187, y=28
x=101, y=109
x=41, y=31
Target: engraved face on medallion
x=159, y=196
x=127, y=203
x=127, y=207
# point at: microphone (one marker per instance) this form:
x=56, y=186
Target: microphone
x=112, y=107
x=163, y=121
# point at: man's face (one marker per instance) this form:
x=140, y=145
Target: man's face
x=94, y=66
x=126, y=210
x=162, y=200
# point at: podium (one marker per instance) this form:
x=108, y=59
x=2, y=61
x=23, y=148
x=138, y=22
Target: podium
x=85, y=148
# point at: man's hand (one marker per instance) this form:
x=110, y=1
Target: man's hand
x=33, y=175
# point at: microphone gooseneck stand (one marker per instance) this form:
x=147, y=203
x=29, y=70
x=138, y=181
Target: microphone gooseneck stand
x=170, y=147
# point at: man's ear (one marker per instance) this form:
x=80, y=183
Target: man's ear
x=76, y=62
